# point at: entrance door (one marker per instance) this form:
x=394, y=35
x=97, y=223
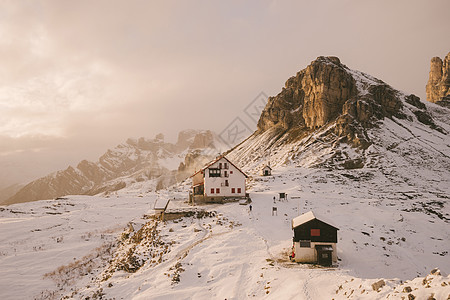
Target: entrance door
x=324, y=257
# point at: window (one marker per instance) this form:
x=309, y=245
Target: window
x=217, y=191
x=231, y=172
x=305, y=244
x=212, y=191
x=225, y=165
x=239, y=190
x=315, y=232
x=233, y=190
x=225, y=173
x=220, y=165
x=226, y=182
x=214, y=172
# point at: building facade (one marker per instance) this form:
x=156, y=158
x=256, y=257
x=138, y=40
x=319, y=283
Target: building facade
x=218, y=181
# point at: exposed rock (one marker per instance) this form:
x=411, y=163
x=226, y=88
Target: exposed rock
x=311, y=98
x=407, y=289
x=415, y=101
x=435, y=271
x=438, y=85
x=327, y=91
x=185, y=138
x=378, y=285
x=204, y=139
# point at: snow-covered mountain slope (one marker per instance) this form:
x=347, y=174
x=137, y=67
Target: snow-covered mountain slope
x=228, y=252
x=132, y=161
x=318, y=121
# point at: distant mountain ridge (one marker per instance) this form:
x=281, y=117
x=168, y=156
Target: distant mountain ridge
x=135, y=160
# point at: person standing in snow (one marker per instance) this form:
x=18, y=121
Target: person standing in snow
x=250, y=207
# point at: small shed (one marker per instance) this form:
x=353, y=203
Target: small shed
x=314, y=240
x=267, y=171
x=161, y=205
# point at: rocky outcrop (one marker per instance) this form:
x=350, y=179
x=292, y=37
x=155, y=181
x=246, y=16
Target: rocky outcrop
x=311, y=98
x=438, y=86
x=204, y=139
x=328, y=92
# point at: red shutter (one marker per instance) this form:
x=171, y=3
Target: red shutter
x=315, y=232
x=233, y=190
x=239, y=190
x=217, y=191
x=212, y=191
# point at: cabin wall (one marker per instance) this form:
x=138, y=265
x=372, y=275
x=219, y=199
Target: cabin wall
x=327, y=232
x=309, y=255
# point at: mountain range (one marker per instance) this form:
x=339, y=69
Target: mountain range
x=136, y=160
x=326, y=115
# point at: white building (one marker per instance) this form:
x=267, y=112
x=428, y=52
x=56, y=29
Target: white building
x=218, y=181
x=314, y=240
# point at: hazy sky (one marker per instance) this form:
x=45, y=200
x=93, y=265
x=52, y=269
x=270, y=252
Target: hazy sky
x=77, y=77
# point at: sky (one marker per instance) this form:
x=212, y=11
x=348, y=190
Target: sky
x=79, y=77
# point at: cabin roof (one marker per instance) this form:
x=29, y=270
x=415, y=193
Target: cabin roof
x=267, y=166
x=306, y=217
x=216, y=160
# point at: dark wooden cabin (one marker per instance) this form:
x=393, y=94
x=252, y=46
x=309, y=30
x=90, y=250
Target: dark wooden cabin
x=314, y=240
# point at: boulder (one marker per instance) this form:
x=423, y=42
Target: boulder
x=378, y=285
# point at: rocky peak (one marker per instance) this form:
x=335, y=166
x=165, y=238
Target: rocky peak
x=185, y=138
x=438, y=86
x=203, y=139
x=311, y=98
x=329, y=93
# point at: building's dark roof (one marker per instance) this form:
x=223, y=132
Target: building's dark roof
x=216, y=160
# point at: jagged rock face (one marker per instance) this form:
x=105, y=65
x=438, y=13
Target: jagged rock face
x=438, y=86
x=326, y=87
x=311, y=98
x=327, y=91
x=185, y=138
x=202, y=140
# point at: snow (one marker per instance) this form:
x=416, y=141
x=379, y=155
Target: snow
x=306, y=217
x=235, y=253
x=38, y=237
